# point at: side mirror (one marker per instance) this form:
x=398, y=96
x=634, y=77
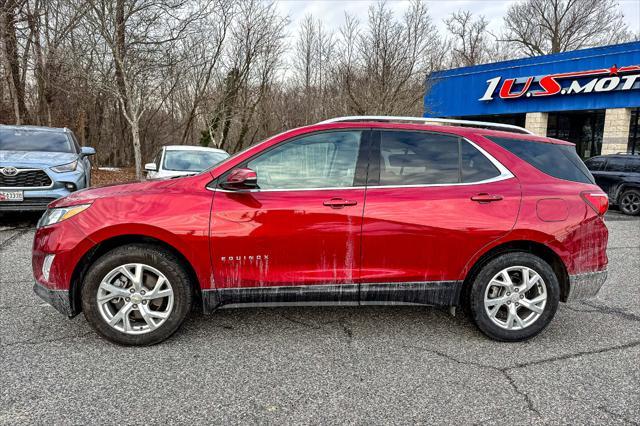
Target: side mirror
x=86, y=151
x=150, y=167
x=241, y=179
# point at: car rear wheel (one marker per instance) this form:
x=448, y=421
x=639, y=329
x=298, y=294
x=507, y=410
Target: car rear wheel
x=630, y=202
x=514, y=297
x=136, y=295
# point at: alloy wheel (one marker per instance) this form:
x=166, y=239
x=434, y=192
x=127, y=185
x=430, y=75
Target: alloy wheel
x=630, y=203
x=135, y=298
x=515, y=298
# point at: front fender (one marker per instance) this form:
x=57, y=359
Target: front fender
x=180, y=221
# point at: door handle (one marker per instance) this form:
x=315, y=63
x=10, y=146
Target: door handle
x=486, y=198
x=338, y=203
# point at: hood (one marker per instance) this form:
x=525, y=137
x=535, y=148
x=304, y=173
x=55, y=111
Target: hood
x=89, y=195
x=39, y=159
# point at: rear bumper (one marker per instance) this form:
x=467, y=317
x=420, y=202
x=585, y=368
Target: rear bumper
x=59, y=299
x=585, y=286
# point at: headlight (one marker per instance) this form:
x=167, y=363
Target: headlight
x=69, y=167
x=59, y=214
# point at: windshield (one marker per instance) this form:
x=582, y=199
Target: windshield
x=34, y=140
x=192, y=161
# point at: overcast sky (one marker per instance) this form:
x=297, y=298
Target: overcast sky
x=332, y=11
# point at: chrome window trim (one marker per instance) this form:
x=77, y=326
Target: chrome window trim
x=504, y=175
x=24, y=188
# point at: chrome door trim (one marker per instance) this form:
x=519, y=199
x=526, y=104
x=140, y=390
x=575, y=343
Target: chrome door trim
x=505, y=174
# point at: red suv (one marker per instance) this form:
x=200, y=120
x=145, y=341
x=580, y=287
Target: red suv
x=352, y=211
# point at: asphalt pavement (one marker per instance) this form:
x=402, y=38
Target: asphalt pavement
x=323, y=365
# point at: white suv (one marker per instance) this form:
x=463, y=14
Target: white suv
x=183, y=160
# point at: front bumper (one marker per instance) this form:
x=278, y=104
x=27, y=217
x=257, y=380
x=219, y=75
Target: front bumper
x=59, y=299
x=585, y=286
x=34, y=199
x=37, y=199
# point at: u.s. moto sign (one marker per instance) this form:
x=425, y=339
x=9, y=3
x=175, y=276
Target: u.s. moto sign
x=592, y=81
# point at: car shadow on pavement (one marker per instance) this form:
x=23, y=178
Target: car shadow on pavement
x=13, y=220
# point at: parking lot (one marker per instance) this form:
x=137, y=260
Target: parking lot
x=323, y=365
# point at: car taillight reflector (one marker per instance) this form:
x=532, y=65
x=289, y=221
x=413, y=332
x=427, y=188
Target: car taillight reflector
x=598, y=201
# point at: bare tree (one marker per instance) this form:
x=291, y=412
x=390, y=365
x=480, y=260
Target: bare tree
x=253, y=56
x=9, y=11
x=383, y=66
x=138, y=36
x=541, y=27
x=205, y=48
x=129, y=76
x=471, y=43
x=313, y=68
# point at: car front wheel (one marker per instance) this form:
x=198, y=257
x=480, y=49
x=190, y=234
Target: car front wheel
x=136, y=295
x=514, y=297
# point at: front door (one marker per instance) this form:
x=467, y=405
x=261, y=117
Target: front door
x=433, y=201
x=300, y=228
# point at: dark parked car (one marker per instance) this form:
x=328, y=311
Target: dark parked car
x=619, y=176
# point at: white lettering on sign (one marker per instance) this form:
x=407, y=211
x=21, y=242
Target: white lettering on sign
x=604, y=80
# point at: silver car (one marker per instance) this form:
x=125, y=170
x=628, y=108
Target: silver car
x=183, y=160
x=39, y=165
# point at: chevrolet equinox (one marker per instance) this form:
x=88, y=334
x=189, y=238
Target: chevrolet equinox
x=350, y=211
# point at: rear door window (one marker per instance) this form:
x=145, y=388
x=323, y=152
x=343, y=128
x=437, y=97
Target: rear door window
x=418, y=158
x=474, y=165
x=423, y=158
x=559, y=161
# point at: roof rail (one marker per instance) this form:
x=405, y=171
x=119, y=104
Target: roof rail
x=427, y=120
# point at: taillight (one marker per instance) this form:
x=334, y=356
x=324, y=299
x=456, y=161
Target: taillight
x=598, y=201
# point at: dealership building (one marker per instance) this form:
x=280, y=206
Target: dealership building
x=590, y=97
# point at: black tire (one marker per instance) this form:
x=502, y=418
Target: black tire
x=630, y=202
x=146, y=254
x=482, y=281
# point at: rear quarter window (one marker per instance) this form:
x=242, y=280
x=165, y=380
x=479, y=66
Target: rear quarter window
x=559, y=161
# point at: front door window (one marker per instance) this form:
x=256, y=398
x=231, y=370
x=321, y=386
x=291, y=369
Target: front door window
x=322, y=160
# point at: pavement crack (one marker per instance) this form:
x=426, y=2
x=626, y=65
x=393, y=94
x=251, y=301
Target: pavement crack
x=611, y=311
x=503, y=371
x=617, y=416
x=525, y=395
x=347, y=331
x=575, y=355
x=6, y=243
x=299, y=322
x=15, y=307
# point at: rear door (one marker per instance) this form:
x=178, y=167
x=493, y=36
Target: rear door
x=301, y=228
x=611, y=177
x=433, y=200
